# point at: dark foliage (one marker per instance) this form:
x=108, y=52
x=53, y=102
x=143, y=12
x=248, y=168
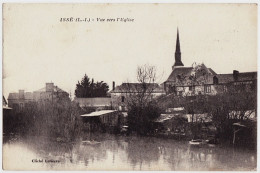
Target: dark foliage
x=87, y=88
x=140, y=118
x=60, y=119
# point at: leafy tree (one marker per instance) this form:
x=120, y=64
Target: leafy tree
x=88, y=88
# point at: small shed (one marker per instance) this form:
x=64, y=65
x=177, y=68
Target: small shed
x=103, y=118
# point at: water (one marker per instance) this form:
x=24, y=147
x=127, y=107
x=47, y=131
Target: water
x=123, y=153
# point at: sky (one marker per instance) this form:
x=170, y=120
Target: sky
x=39, y=48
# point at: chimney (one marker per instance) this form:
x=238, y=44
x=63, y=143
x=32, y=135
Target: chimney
x=49, y=87
x=21, y=94
x=113, y=86
x=235, y=75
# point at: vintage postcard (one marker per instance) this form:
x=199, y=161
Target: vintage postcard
x=129, y=87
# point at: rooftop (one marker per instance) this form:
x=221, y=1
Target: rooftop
x=187, y=71
x=98, y=113
x=245, y=76
x=55, y=88
x=27, y=96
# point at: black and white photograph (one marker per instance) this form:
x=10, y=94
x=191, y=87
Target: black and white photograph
x=129, y=87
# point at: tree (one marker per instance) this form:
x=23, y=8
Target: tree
x=142, y=107
x=87, y=88
x=237, y=104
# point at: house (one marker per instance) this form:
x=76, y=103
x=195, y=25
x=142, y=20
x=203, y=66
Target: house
x=19, y=100
x=121, y=94
x=49, y=92
x=235, y=82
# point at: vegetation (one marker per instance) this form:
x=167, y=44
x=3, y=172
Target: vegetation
x=55, y=119
x=87, y=88
x=142, y=108
x=140, y=118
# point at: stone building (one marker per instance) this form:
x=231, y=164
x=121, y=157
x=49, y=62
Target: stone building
x=18, y=101
x=121, y=94
x=49, y=92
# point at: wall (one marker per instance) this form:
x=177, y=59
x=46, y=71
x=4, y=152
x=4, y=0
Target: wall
x=94, y=102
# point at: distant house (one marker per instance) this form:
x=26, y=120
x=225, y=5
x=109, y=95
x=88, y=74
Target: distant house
x=95, y=102
x=120, y=94
x=246, y=81
x=49, y=92
x=19, y=100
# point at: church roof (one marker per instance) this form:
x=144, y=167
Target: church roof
x=179, y=71
x=212, y=71
x=185, y=72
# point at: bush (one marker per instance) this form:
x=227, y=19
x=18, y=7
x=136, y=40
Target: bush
x=140, y=118
x=59, y=118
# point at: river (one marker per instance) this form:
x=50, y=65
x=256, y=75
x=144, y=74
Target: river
x=123, y=153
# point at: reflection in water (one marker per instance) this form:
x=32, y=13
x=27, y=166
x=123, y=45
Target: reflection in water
x=123, y=153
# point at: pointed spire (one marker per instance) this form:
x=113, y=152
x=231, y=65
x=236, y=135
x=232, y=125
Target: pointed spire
x=178, y=61
x=178, y=49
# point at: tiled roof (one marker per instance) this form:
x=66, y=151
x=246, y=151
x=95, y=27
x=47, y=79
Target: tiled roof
x=28, y=95
x=179, y=71
x=56, y=89
x=186, y=71
x=14, y=96
x=137, y=87
x=226, y=78
x=212, y=71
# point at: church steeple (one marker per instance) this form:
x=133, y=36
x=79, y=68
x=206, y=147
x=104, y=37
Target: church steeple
x=178, y=52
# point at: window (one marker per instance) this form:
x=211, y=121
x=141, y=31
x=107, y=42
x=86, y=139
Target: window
x=207, y=88
x=215, y=80
x=191, y=88
x=225, y=88
x=21, y=106
x=123, y=99
x=172, y=89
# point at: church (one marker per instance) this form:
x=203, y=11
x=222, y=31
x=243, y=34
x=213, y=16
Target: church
x=187, y=81
x=199, y=79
